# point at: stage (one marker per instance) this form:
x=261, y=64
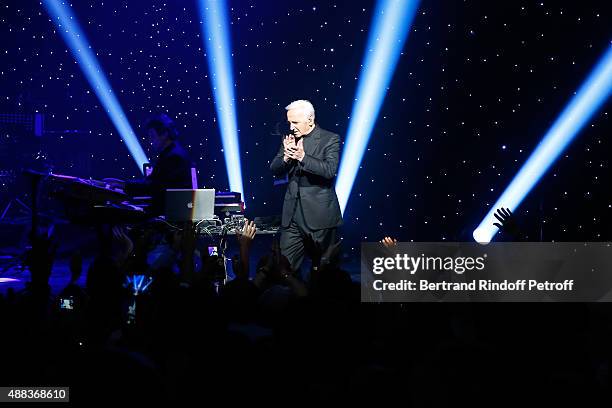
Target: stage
x=306, y=202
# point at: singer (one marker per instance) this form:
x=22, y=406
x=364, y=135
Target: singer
x=311, y=213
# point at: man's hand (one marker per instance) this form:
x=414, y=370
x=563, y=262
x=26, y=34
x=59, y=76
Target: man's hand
x=297, y=152
x=389, y=242
x=507, y=223
x=288, y=147
x=245, y=237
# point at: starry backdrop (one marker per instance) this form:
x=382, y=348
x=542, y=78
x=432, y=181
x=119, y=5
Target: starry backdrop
x=477, y=86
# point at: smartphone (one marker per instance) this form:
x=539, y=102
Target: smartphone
x=212, y=251
x=67, y=303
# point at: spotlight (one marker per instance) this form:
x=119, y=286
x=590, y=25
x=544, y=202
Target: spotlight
x=68, y=27
x=389, y=29
x=589, y=98
x=217, y=42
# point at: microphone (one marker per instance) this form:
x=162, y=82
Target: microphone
x=296, y=139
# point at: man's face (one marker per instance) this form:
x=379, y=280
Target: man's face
x=299, y=122
x=157, y=141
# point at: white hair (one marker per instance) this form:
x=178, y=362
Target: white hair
x=303, y=105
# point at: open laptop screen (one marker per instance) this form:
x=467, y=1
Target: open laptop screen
x=190, y=204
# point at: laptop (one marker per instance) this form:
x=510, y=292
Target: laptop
x=190, y=205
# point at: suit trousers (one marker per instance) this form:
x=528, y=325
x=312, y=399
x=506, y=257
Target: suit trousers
x=297, y=239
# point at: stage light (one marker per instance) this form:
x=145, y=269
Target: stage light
x=389, y=29
x=586, y=101
x=215, y=31
x=68, y=27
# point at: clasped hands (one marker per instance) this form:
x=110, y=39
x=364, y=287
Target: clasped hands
x=293, y=150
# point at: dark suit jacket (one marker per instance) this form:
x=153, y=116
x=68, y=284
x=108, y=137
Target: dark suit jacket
x=171, y=170
x=312, y=180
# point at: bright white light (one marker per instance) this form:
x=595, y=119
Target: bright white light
x=217, y=42
x=68, y=27
x=390, y=26
x=589, y=98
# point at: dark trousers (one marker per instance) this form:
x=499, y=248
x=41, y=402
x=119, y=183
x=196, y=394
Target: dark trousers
x=298, y=239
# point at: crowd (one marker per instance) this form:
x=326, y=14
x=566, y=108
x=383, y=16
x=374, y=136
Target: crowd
x=147, y=330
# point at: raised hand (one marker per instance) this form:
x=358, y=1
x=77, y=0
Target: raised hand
x=288, y=146
x=388, y=242
x=507, y=222
x=297, y=152
x=245, y=237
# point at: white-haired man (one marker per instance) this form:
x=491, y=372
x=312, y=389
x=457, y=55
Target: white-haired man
x=311, y=213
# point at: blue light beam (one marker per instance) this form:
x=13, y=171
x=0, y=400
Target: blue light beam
x=68, y=27
x=389, y=29
x=590, y=97
x=217, y=42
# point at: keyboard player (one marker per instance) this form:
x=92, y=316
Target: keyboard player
x=171, y=169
